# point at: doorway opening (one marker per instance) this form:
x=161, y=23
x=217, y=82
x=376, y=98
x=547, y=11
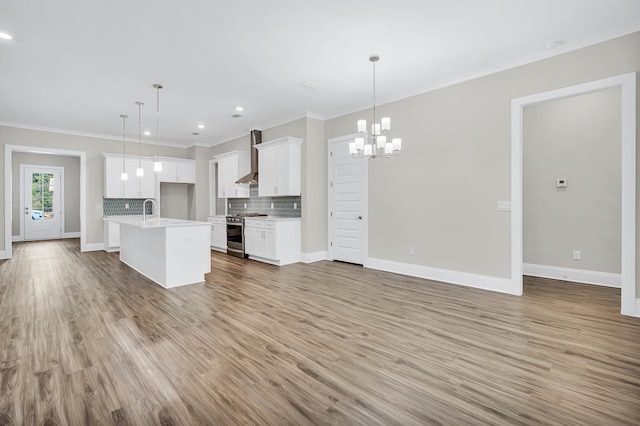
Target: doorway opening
x=571, y=189
x=627, y=85
x=7, y=252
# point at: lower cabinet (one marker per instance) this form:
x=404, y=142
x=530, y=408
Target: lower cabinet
x=218, y=233
x=111, y=236
x=272, y=240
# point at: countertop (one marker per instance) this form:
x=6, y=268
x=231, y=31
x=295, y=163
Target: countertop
x=154, y=222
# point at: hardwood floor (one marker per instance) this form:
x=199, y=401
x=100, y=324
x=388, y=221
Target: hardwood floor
x=85, y=340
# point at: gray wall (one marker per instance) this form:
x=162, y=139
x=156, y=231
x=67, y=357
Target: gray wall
x=199, y=194
x=577, y=139
x=455, y=163
x=92, y=147
x=174, y=200
x=71, y=191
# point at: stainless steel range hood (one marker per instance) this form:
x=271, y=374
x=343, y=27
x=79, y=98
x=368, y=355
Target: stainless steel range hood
x=256, y=138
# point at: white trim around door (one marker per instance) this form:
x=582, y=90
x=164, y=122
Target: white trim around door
x=7, y=253
x=627, y=84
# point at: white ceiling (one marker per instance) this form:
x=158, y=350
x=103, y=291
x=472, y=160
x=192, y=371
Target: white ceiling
x=76, y=65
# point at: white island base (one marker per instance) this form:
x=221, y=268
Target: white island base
x=170, y=252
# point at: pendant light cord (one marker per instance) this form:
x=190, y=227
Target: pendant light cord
x=374, y=94
x=158, y=118
x=139, y=134
x=124, y=146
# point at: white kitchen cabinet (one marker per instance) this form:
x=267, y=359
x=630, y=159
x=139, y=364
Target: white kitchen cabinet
x=275, y=241
x=139, y=186
x=111, y=236
x=113, y=185
x=231, y=167
x=177, y=170
x=218, y=233
x=134, y=186
x=279, y=167
x=253, y=237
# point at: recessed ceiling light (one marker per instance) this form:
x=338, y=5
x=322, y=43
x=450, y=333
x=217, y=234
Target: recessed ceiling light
x=552, y=44
x=195, y=133
x=309, y=85
x=200, y=126
x=239, y=108
x=147, y=133
x=5, y=36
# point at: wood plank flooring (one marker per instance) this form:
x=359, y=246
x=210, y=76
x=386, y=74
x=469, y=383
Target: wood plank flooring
x=85, y=340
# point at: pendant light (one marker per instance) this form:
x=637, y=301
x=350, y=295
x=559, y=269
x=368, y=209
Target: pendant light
x=139, y=170
x=377, y=144
x=157, y=165
x=124, y=175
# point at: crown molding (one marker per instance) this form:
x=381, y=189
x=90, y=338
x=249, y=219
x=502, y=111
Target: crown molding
x=83, y=134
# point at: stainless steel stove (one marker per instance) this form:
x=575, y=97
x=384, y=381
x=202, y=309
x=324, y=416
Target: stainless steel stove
x=235, y=233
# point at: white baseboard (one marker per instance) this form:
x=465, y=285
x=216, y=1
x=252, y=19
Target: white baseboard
x=92, y=247
x=314, y=257
x=16, y=238
x=484, y=282
x=4, y=254
x=606, y=279
x=220, y=249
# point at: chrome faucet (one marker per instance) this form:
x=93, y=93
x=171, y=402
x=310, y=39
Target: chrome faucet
x=144, y=208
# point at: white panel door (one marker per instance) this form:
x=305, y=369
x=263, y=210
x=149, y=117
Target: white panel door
x=42, y=203
x=348, y=194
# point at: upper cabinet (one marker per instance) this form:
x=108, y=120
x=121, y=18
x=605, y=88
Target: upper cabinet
x=231, y=167
x=279, y=167
x=177, y=170
x=134, y=186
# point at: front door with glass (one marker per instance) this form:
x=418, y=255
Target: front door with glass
x=42, y=203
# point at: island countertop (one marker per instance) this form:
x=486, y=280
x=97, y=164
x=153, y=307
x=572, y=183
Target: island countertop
x=154, y=221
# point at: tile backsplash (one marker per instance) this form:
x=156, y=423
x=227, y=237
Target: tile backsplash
x=289, y=206
x=118, y=207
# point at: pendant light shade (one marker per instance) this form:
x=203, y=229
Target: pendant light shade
x=139, y=170
x=157, y=164
x=124, y=175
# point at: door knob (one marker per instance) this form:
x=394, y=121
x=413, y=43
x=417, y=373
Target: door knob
x=359, y=217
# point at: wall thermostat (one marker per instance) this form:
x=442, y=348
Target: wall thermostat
x=561, y=183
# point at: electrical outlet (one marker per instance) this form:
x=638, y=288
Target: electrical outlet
x=245, y=205
x=504, y=206
x=295, y=206
x=126, y=206
x=577, y=255
x=272, y=205
x=412, y=251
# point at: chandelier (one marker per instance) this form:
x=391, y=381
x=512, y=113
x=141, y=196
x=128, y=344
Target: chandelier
x=375, y=144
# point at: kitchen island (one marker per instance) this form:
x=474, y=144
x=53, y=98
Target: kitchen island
x=171, y=252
